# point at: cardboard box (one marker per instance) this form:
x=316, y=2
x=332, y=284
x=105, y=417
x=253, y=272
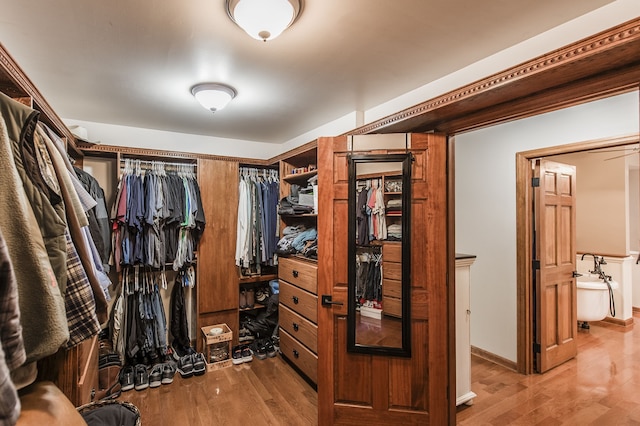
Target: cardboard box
x=217, y=344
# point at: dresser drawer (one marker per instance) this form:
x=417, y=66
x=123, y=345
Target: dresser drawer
x=391, y=288
x=300, y=301
x=300, y=328
x=392, y=306
x=391, y=270
x=392, y=252
x=300, y=273
x=299, y=355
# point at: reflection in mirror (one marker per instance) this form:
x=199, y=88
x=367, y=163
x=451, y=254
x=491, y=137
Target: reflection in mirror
x=379, y=287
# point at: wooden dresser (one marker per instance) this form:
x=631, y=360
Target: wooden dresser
x=392, y=278
x=298, y=314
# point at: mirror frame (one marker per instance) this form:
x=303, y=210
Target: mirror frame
x=353, y=160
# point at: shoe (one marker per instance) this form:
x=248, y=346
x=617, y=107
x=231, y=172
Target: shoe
x=168, y=371
x=243, y=299
x=237, y=355
x=155, y=377
x=260, y=351
x=245, y=335
x=141, y=378
x=261, y=295
x=247, y=355
x=250, y=298
x=127, y=377
x=180, y=351
x=199, y=365
x=270, y=349
x=185, y=366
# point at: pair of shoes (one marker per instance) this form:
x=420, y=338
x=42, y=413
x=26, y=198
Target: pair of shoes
x=155, y=376
x=263, y=349
x=127, y=378
x=141, y=380
x=193, y=364
x=168, y=371
x=241, y=353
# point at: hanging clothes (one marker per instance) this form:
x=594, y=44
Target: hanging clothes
x=158, y=217
x=257, y=229
x=33, y=270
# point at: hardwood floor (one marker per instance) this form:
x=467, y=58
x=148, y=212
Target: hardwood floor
x=599, y=387
x=262, y=392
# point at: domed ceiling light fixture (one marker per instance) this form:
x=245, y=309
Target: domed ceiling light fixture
x=213, y=96
x=264, y=19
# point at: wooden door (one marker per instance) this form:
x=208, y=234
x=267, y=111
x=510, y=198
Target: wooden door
x=555, y=251
x=363, y=389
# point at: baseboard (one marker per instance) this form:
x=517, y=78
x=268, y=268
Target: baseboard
x=496, y=359
x=636, y=310
x=619, y=322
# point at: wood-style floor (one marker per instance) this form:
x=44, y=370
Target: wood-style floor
x=262, y=392
x=600, y=387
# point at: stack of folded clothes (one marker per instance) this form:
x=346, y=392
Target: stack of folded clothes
x=290, y=204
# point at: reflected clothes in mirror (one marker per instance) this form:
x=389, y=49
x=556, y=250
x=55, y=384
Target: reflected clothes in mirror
x=370, y=213
x=369, y=279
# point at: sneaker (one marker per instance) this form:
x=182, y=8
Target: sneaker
x=199, y=365
x=185, y=366
x=180, y=351
x=247, y=355
x=155, y=377
x=260, y=351
x=245, y=335
x=237, y=355
x=141, y=377
x=127, y=377
x=168, y=371
x=270, y=349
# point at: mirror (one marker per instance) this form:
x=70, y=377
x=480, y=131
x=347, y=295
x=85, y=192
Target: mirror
x=379, y=254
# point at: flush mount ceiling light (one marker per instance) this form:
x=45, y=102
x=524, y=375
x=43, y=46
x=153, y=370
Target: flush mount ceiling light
x=264, y=19
x=213, y=96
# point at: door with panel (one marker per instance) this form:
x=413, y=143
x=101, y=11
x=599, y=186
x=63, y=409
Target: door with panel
x=556, y=324
x=357, y=388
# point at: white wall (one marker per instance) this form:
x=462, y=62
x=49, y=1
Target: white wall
x=602, y=199
x=486, y=204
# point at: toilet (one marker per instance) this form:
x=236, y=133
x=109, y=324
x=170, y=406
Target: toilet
x=593, y=298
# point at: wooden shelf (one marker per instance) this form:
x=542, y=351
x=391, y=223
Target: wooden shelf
x=257, y=278
x=255, y=306
x=300, y=176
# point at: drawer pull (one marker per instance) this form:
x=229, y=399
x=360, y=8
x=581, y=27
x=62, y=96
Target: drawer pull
x=295, y=299
x=296, y=354
x=295, y=326
x=295, y=274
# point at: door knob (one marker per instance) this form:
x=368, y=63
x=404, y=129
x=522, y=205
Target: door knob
x=326, y=301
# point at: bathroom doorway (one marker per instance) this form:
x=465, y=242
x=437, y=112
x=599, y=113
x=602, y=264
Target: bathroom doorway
x=524, y=222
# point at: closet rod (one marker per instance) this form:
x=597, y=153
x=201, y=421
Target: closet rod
x=151, y=162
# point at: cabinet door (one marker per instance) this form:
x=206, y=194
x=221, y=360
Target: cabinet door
x=217, y=277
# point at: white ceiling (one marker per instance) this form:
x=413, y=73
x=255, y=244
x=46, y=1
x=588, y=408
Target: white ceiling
x=133, y=62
